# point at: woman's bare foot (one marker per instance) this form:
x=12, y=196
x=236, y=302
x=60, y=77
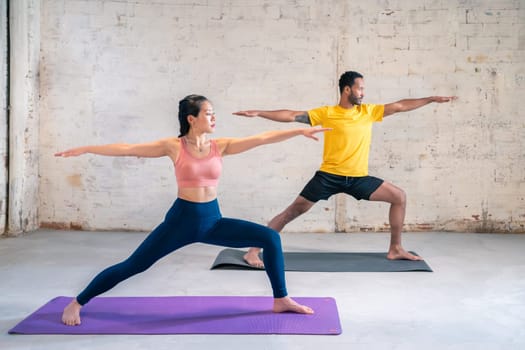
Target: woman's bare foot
x=252, y=258
x=398, y=253
x=71, y=314
x=287, y=304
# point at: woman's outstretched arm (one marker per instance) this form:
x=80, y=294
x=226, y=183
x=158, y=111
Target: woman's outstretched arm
x=238, y=145
x=154, y=149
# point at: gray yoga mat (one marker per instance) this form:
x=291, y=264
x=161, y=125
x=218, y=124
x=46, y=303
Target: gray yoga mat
x=232, y=259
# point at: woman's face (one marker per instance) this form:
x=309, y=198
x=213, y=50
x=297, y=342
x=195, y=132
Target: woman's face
x=205, y=121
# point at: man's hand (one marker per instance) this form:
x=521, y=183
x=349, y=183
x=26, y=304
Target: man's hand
x=250, y=113
x=441, y=99
x=414, y=103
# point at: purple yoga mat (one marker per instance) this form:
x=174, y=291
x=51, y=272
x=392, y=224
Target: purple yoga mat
x=183, y=315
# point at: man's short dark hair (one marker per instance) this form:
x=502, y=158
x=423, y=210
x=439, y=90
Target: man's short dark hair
x=348, y=79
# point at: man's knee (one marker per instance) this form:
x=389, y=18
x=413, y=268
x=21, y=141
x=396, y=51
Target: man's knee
x=297, y=209
x=400, y=196
x=390, y=194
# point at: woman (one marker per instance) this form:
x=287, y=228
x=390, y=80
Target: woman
x=195, y=216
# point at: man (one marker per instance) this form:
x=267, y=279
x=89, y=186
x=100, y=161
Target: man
x=345, y=158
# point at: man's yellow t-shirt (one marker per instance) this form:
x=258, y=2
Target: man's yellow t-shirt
x=347, y=145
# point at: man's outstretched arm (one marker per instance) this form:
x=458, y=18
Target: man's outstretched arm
x=411, y=104
x=282, y=115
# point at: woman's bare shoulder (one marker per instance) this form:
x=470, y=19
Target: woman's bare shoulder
x=222, y=143
x=172, y=145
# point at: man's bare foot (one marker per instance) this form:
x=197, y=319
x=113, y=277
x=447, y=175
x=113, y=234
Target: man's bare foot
x=287, y=304
x=398, y=253
x=71, y=314
x=252, y=258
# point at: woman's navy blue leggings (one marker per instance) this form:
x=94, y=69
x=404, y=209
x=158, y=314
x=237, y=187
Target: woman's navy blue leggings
x=189, y=222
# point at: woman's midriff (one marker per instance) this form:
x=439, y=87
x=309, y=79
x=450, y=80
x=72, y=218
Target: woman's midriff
x=198, y=194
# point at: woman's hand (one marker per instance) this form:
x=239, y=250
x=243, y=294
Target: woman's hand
x=73, y=152
x=160, y=148
x=310, y=132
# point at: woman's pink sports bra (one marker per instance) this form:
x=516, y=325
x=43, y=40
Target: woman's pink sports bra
x=198, y=172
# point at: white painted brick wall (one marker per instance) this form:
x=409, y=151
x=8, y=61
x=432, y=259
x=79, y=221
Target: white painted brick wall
x=113, y=71
x=3, y=116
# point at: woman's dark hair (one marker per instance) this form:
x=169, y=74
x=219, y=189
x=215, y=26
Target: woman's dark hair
x=189, y=105
x=347, y=79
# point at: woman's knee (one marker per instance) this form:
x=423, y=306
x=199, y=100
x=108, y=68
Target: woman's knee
x=272, y=239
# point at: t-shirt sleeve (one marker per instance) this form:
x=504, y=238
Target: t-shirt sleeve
x=377, y=112
x=317, y=115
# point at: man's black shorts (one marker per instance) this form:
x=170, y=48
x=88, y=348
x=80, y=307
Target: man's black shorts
x=323, y=185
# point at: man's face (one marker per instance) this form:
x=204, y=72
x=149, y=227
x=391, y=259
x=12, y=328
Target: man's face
x=357, y=93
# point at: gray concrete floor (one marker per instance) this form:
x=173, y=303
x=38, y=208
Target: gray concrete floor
x=474, y=299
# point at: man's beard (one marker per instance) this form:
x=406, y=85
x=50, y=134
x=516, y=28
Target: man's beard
x=354, y=100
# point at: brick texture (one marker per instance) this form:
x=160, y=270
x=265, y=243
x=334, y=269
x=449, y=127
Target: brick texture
x=113, y=71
